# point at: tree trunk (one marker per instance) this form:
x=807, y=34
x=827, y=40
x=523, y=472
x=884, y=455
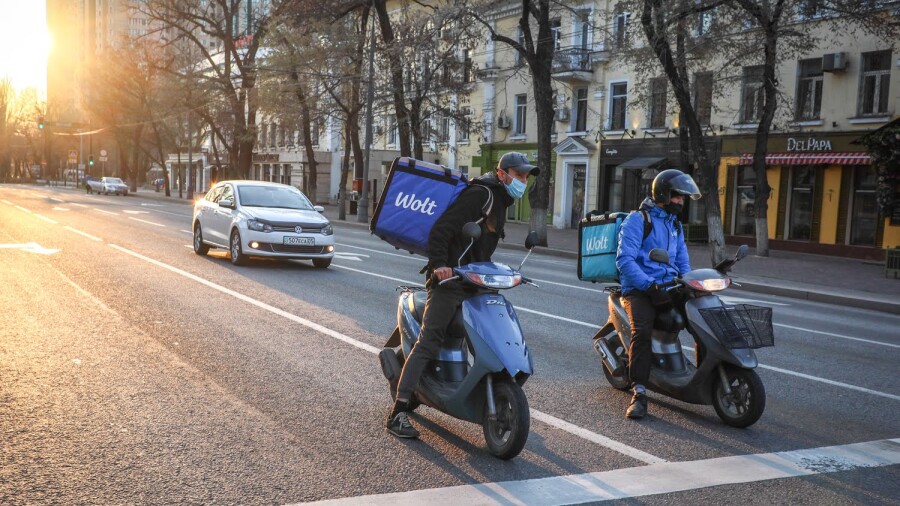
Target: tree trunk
x=396, y=64
x=345, y=171
x=761, y=202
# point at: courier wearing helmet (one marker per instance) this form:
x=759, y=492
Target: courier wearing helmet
x=642, y=278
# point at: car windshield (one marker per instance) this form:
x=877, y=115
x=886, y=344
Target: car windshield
x=114, y=180
x=282, y=197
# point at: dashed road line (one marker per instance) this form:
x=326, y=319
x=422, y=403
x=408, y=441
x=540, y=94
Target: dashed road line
x=20, y=208
x=41, y=216
x=145, y=221
x=85, y=234
x=107, y=212
x=841, y=336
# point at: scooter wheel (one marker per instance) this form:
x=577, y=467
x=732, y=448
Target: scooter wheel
x=507, y=433
x=620, y=381
x=747, y=401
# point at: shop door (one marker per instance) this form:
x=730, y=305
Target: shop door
x=745, y=201
x=579, y=174
x=634, y=189
x=864, y=217
x=803, y=182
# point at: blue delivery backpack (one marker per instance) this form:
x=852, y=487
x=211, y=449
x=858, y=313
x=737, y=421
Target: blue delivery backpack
x=598, y=239
x=415, y=195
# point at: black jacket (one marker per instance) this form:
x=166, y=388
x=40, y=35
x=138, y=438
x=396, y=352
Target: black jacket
x=445, y=243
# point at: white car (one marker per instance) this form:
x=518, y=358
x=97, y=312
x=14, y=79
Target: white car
x=261, y=219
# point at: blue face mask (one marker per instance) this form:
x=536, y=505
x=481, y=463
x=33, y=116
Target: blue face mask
x=515, y=188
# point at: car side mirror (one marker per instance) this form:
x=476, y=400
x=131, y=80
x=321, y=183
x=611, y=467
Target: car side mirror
x=659, y=255
x=531, y=240
x=471, y=231
x=319, y=209
x=226, y=203
x=741, y=252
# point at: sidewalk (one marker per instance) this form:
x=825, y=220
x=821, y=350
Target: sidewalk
x=819, y=278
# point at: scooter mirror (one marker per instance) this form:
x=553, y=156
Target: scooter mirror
x=659, y=255
x=531, y=240
x=741, y=252
x=471, y=231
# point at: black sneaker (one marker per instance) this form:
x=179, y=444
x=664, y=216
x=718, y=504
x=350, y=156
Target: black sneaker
x=400, y=426
x=638, y=407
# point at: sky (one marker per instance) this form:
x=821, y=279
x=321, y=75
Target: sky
x=25, y=42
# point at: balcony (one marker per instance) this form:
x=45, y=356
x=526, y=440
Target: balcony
x=572, y=65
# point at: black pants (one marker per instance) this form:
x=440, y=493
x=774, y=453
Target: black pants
x=641, y=314
x=440, y=307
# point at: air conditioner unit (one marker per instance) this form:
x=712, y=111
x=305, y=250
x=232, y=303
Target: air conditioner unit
x=562, y=114
x=503, y=122
x=834, y=62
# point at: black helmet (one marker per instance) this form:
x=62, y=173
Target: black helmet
x=517, y=162
x=672, y=181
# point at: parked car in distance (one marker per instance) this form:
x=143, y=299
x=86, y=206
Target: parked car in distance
x=106, y=185
x=262, y=219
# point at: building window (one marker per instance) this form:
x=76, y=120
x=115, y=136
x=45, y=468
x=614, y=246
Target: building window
x=583, y=29
x=443, y=128
x=875, y=83
x=620, y=29
x=703, y=88
x=864, y=219
x=468, y=67
x=618, y=93
x=556, y=30
x=463, y=125
x=580, y=110
x=745, y=203
x=273, y=128
x=286, y=174
x=803, y=181
x=521, y=114
x=809, y=89
x=521, y=38
x=392, y=131
x=658, y=91
x=752, y=95
x=262, y=135
x=704, y=23
x=811, y=8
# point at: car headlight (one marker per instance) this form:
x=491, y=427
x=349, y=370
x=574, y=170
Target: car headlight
x=259, y=226
x=327, y=229
x=494, y=280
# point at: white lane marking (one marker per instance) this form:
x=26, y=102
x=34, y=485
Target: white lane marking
x=60, y=208
x=664, y=478
x=8, y=202
x=128, y=211
x=191, y=246
x=89, y=236
x=20, y=208
x=838, y=335
x=561, y=424
x=152, y=205
x=262, y=305
x=145, y=221
x=187, y=232
x=107, y=212
x=599, y=439
x=79, y=205
x=821, y=380
x=55, y=200
x=348, y=256
x=740, y=300
x=41, y=216
x=595, y=326
x=31, y=247
x=422, y=261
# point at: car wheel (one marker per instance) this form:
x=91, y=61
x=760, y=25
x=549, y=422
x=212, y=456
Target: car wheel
x=321, y=263
x=199, y=247
x=237, y=253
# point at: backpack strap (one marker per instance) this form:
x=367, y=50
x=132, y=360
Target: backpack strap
x=489, y=204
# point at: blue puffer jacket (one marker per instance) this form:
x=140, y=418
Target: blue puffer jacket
x=636, y=270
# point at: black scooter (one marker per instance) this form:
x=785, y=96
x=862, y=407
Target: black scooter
x=725, y=337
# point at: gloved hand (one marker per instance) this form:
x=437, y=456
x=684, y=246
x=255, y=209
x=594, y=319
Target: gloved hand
x=658, y=296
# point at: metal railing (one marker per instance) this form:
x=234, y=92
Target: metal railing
x=573, y=59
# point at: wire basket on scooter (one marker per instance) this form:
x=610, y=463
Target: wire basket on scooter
x=741, y=326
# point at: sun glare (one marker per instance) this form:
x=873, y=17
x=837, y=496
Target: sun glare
x=23, y=31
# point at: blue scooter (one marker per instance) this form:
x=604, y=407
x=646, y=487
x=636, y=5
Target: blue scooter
x=482, y=364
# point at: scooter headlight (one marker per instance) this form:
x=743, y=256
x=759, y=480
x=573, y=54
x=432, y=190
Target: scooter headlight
x=495, y=280
x=710, y=285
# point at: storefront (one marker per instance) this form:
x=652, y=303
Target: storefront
x=822, y=198
x=627, y=168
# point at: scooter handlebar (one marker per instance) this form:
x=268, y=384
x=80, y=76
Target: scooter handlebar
x=451, y=278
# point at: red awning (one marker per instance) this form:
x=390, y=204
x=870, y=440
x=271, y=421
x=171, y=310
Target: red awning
x=811, y=159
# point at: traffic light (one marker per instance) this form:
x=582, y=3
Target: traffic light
x=40, y=122
x=91, y=160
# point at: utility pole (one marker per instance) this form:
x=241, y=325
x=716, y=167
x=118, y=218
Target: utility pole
x=362, y=212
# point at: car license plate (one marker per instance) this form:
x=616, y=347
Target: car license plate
x=299, y=241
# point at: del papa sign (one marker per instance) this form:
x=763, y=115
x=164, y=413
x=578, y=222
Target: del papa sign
x=811, y=144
